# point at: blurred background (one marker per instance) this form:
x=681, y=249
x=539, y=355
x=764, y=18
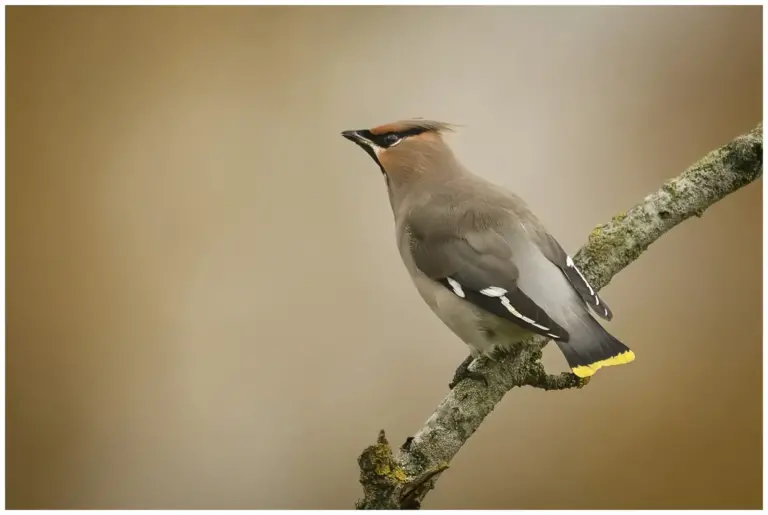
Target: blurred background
x=206, y=308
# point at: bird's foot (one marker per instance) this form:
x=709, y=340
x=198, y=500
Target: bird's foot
x=463, y=372
x=504, y=352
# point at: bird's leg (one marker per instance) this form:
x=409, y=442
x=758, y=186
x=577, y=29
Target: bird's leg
x=504, y=352
x=463, y=373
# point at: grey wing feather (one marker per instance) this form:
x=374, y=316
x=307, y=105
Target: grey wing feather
x=556, y=254
x=478, y=268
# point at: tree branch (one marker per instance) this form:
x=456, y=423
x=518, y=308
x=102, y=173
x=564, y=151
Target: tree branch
x=402, y=481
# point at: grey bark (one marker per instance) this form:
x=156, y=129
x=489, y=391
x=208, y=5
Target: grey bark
x=401, y=480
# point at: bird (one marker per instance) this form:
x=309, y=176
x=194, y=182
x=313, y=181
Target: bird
x=478, y=256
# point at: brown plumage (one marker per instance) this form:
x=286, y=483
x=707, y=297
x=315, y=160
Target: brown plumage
x=424, y=153
x=415, y=123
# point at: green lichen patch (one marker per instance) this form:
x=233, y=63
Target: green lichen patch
x=619, y=217
x=380, y=476
x=671, y=189
x=378, y=458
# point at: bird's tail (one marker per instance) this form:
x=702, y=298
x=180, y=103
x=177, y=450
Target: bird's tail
x=593, y=348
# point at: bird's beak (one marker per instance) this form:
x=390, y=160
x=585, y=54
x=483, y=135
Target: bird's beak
x=352, y=136
x=364, y=143
x=361, y=141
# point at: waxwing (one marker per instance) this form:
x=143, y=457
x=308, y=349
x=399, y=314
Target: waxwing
x=479, y=258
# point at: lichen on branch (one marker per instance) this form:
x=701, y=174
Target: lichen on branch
x=402, y=480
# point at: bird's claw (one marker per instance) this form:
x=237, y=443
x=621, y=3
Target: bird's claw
x=463, y=372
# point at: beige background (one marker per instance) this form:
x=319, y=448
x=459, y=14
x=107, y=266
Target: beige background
x=205, y=304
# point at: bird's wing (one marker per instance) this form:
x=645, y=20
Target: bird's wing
x=547, y=245
x=552, y=250
x=477, y=267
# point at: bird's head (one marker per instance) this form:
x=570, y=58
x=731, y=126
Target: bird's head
x=399, y=143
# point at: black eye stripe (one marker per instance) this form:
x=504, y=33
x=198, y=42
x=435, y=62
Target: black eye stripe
x=388, y=139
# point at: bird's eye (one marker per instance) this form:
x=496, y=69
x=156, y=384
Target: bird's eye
x=391, y=139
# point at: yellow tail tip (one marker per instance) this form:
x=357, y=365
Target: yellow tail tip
x=620, y=359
